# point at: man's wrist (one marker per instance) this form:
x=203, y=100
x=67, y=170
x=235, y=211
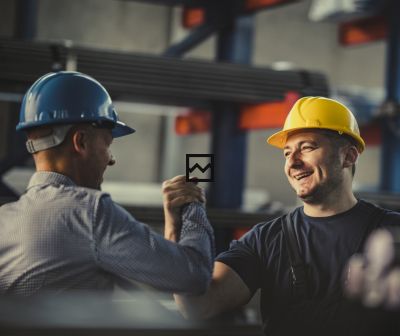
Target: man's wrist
x=173, y=224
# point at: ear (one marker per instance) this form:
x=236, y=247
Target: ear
x=80, y=141
x=350, y=156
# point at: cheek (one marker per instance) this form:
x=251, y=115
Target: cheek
x=99, y=160
x=331, y=163
x=106, y=157
x=286, y=166
x=103, y=159
x=104, y=154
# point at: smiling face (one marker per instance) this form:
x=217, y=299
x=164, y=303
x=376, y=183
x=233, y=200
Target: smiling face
x=314, y=167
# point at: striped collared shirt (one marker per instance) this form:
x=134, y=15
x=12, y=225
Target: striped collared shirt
x=59, y=236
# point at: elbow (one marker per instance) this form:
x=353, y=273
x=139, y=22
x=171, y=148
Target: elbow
x=198, y=277
x=197, y=272
x=202, y=286
x=191, y=307
x=201, y=280
x=196, y=284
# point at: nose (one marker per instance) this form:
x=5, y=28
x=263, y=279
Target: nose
x=112, y=161
x=294, y=160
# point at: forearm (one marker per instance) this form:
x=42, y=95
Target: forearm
x=226, y=291
x=189, y=262
x=172, y=226
x=131, y=249
x=195, y=243
x=147, y=257
x=197, y=233
x=179, y=194
x=213, y=302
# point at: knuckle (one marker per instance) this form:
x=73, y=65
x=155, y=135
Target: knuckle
x=166, y=188
x=169, y=197
x=179, y=178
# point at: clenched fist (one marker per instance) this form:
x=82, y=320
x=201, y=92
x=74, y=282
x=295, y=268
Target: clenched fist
x=176, y=193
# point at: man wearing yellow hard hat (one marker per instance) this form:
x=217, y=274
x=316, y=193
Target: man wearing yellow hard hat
x=297, y=260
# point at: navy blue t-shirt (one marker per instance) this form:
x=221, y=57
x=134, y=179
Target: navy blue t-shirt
x=325, y=244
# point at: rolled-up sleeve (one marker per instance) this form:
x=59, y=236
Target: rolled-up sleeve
x=128, y=248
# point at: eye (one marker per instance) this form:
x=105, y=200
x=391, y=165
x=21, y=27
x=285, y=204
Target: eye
x=307, y=148
x=286, y=154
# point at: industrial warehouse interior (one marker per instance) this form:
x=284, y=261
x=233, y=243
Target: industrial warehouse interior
x=204, y=84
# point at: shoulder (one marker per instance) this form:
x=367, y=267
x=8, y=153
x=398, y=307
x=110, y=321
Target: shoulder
x=60, y=195
x=83, y=195
x=273, y=226
x=106, y=209
x=388, y=217
x=266, y=233
x=96, y=203
x=262, y=229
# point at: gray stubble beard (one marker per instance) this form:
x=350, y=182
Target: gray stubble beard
x=328, y=187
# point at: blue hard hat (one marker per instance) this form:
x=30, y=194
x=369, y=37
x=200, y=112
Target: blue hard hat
x=69, y=97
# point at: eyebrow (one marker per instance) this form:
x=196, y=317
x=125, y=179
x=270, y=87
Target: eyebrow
x=312, y=142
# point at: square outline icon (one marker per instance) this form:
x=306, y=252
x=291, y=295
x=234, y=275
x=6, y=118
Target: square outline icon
x=210, y=166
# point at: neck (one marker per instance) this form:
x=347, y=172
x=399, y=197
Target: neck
x=333, y=204
x=59, y=165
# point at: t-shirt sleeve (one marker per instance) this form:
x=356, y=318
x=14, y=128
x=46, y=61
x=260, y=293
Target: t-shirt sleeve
x=391, y=220
x=243, y=257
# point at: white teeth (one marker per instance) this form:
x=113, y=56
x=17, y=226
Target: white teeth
x=300, y=176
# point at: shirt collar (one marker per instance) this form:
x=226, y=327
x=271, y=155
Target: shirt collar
x=46, y=177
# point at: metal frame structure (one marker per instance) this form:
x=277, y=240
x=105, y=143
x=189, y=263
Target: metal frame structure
x=155, y=79
x=25, y=29
x=390, y=157
x=226, y=195
x=220, y=86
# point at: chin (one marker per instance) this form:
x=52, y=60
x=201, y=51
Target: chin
x=313, y=197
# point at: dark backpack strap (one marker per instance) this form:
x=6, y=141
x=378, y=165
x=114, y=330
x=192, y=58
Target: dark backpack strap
x=297, y=267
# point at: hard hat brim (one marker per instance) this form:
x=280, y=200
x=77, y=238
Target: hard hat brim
x=121, y=129
x=279, y=139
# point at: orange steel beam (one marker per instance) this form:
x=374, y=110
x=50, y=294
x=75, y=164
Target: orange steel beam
x=195, y=16
x=363, y=31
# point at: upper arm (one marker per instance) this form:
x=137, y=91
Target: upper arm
x=228, y=288
x=237, y=275
x=226, y=292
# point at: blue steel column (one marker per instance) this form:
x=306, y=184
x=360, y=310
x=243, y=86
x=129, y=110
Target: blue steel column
x=234, y=44
x=390, y=157
x=26, y=19
x=25, y=27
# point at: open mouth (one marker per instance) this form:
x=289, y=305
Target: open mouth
x=302, y=175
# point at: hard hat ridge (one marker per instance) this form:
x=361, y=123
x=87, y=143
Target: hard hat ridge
x=69, y=97
x=318, y=112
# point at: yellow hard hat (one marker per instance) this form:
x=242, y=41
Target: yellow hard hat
x=318, y=112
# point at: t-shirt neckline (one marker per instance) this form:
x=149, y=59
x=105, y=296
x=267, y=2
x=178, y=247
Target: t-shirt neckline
x=332, y=217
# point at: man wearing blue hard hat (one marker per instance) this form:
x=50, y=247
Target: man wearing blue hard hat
x=65, y=233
